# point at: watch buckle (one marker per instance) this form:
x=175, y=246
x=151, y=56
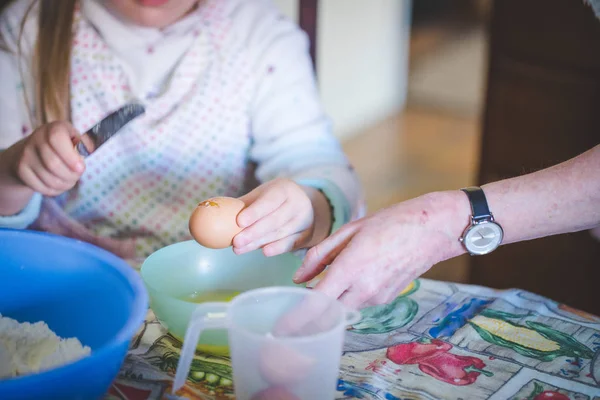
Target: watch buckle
x=481, y=219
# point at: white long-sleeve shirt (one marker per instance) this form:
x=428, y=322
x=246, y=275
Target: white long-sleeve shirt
x=229, y=86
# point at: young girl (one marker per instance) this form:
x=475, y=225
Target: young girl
x=229, y=94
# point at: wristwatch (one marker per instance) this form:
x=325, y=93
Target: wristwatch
x=484, y=235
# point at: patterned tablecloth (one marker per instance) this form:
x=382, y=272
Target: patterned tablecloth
x=437, y=340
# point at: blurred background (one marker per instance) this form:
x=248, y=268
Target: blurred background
x=431, y=95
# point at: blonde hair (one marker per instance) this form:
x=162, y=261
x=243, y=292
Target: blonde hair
x=52, y=56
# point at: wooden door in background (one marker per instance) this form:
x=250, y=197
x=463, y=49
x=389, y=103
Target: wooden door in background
x=542, y=108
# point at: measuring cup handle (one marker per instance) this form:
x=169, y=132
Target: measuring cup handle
x=205, y=316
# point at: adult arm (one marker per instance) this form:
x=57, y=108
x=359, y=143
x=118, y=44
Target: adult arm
x=371, y=260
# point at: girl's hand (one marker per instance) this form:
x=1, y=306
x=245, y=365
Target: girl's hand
x=47, y=161
x=373, y=259
x=282, y=216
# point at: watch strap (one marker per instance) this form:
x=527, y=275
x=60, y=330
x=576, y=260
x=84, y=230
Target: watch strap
x=479, y=205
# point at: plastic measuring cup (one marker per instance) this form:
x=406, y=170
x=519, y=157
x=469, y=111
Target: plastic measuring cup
x=285, y=343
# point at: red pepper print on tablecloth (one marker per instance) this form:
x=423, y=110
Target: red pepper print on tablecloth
x=434, y=359
x=539, y=390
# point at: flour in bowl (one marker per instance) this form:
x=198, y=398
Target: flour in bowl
x=27, y=348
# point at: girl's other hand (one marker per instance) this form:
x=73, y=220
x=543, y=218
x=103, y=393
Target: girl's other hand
x=47, y=161
x=282, y=216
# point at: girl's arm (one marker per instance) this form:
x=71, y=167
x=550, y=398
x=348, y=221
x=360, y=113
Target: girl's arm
x=293, y=137
x=14, y=195
x=19, y=206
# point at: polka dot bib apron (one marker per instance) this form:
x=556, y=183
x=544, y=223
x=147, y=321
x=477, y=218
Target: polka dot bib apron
x=140, y=187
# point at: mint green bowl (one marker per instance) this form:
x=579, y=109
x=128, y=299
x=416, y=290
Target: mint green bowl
x=175, y=272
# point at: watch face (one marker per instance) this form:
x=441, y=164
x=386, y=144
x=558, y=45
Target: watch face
x=483, y=238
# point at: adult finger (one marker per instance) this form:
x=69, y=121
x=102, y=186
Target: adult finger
x=353, y=299
x=350, y=273
x=389, y=293
x=321, y=255
x=313, y=314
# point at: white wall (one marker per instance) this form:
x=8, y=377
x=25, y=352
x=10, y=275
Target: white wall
x=288, y=7
x=362, y=54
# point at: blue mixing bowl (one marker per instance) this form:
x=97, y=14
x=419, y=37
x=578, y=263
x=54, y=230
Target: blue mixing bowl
x=79, y=291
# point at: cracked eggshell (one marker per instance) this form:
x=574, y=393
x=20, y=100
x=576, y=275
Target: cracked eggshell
x=213, y=222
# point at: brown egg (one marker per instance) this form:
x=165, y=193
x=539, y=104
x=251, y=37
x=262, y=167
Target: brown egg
x=213, y=223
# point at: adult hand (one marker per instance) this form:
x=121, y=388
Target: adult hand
x=373, y=259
